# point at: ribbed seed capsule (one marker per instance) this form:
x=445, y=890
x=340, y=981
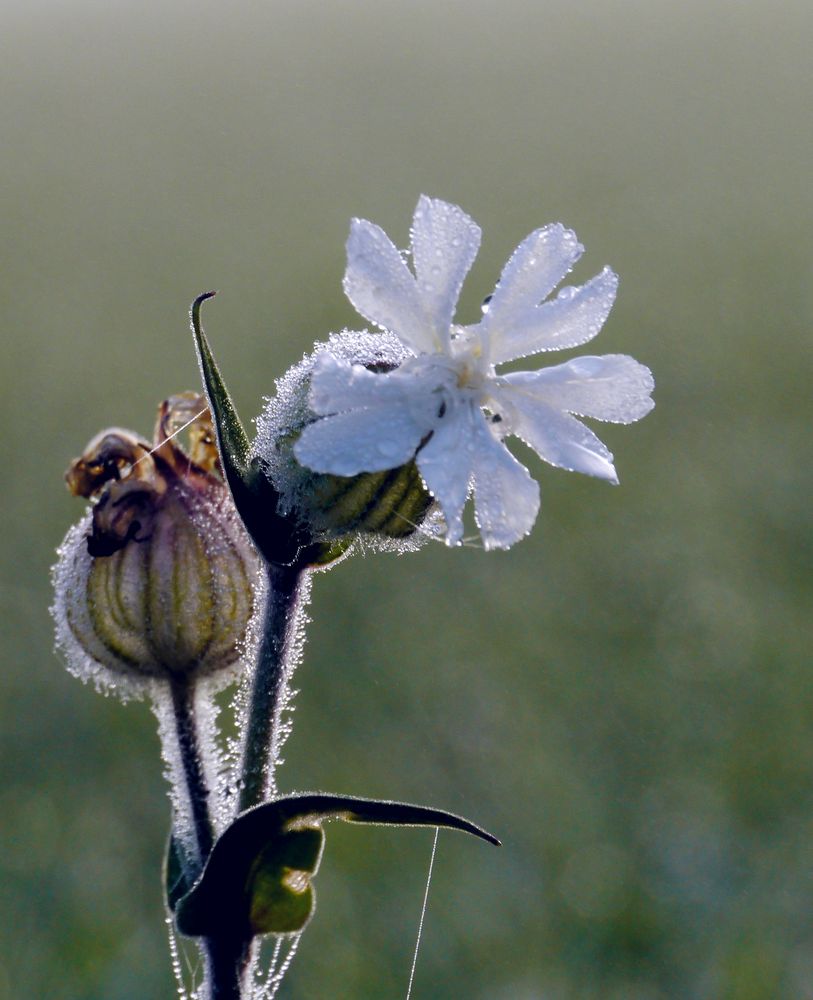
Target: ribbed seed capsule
x=158, y=580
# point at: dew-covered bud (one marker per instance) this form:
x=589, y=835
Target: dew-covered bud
x=158, y=580
x=391, y=509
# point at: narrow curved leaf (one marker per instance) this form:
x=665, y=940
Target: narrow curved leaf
x=232, y=441
x=278, y=539
x=258, y=877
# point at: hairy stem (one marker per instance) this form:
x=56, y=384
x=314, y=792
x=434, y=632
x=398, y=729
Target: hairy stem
x=284, y=599
x=183, y=705
x=226, y=964
x=226, y=959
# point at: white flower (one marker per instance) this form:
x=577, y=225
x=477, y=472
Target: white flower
x=446, y=405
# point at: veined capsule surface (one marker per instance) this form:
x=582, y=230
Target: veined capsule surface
x=159, y=579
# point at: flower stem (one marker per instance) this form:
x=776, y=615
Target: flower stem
x=284, y=600
x=183, y=705
x=226, y=959
x=226, y=963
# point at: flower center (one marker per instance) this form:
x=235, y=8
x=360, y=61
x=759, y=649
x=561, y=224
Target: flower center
x=468, y=354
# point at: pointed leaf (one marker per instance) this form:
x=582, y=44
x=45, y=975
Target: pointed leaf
x=258, y=877
x=232, y=441
x=314, y=807
x=279, y=540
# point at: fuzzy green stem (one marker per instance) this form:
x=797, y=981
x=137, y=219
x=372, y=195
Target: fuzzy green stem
x=183, y=705
x=274, y=663
x=226, y=963
x=226, y=958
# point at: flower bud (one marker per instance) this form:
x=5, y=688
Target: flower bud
x=158, y=579
x=387, y=508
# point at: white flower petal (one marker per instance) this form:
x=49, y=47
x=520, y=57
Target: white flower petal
x=338, y=385
x=556, y=437
x=445, y=463
x=382, y=288
x=373, y=422
x=534, y=269
x=575, y=316
x=445, y=242
x=506, y=499
x=612, y=387
x=368, y=440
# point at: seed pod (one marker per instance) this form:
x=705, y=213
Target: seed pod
x=158, y=580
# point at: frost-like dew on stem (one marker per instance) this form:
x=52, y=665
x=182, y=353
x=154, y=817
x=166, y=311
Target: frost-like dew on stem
x=212, y=755
x=183, y=824
x=229, y=780
x=244, y=702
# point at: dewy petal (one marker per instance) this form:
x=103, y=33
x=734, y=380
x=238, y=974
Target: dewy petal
x=612, y=387
x=506, y=499
x=556, y=437
x=445, y=463
x=445, y=242
x=368, y=440
x=383, y=290
x=575, y=316
x=534, y=269
x=337, y=385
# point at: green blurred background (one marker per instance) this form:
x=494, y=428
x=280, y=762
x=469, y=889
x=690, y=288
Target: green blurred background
x=625, y=697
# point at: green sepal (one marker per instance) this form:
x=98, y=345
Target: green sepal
x=278, y=539
x=391, y=503
x=258, y=877
x=232, y=440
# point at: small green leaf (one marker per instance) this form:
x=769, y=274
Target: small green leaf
x=258, y=877
x=282, y=898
